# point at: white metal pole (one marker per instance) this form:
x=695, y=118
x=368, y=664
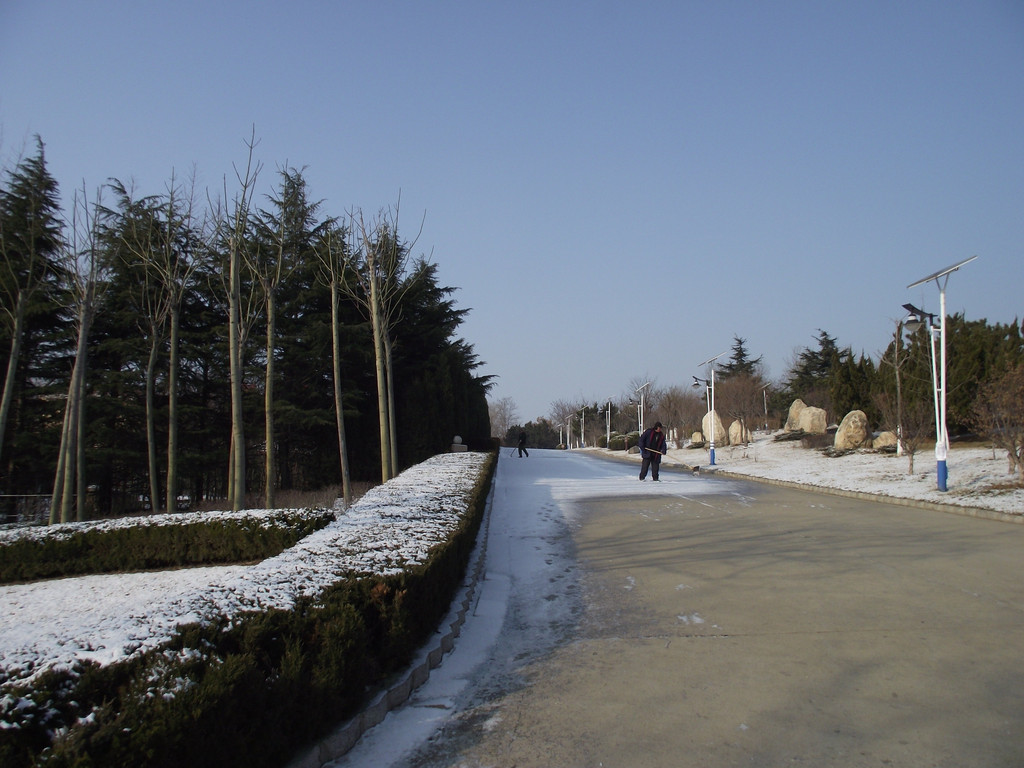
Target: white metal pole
x=608, y=424
x=933, y=334
x=712, y=414
x=942, y=439
x=941, y=279
x=642, y=406
x=899, y=401
x=711, y=401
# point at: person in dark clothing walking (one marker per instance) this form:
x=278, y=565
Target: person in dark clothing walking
x=652, y=448
x=522, y=445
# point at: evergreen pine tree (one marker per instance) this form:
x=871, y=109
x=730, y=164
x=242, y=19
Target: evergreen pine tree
x=739, y=361
x=30, y=309
x=808, y=378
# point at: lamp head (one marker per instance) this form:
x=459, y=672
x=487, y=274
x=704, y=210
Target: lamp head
x=913, y=323
x=916, y=319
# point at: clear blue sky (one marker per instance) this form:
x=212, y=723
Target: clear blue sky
x=616, y=189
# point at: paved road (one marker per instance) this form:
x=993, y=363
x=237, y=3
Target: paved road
x=754, y=626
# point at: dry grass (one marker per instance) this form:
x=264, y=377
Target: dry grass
x=322, y=497
x=1007, y=486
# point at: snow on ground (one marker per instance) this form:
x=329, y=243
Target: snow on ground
x=110, y=617
x=977, y=475
x=106, y=618
x=528, y=588
x=98, y=618
x=528, y=600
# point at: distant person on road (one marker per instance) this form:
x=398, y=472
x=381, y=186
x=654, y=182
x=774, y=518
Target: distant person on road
x=652, y=448
x=522, y=445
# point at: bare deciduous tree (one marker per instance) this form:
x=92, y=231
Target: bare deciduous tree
x=562, y=414
x=83, y=270
x=138, y=229
x=231, y=233
x=158, y=239
x=333, y=260
x=741, y=397
x=915, y=419
x=381, y=261
x=999, y=415
x=178, y=261
x=680, y=409
x=503, y=416
x=285, y=237
x=908, y=419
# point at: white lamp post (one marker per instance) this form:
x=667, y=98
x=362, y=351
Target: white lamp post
x=640, y=408
x=583, y=427
x=608, y=423
x=711, y=399
x=918, y=319
x=941, y=278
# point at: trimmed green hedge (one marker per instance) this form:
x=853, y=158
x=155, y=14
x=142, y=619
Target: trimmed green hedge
x=251, y=692
x=215, y=541
x=620, y=442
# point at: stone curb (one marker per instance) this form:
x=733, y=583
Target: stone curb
x=398, y=690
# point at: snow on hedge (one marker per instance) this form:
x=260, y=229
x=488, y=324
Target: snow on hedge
x=390, y=528
x=261, y=518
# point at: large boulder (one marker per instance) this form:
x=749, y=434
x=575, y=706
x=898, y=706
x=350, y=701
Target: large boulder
x=886, y=441
x=721, y=436
x=854, y=432
x=813, y=421
x=738, y=434
x=793, y=421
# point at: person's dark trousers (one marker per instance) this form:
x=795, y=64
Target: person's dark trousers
x=654, y=464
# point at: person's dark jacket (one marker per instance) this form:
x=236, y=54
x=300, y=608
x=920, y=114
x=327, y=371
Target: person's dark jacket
x=652, y=439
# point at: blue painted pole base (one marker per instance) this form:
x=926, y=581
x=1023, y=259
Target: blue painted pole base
x=712, y=456
x=942, y=474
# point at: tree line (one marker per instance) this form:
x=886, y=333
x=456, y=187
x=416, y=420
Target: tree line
x=985, y=392
x=221, y=345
